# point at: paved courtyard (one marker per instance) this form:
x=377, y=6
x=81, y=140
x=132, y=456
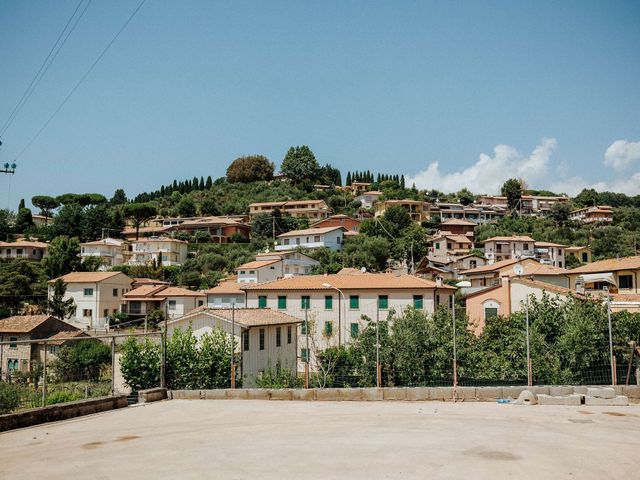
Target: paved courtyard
x=184, y=439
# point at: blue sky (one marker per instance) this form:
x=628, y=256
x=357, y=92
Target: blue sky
x=448, y=93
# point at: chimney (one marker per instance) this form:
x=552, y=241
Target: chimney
x=438, y=281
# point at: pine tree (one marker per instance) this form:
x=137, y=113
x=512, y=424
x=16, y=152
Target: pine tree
x=22, y=204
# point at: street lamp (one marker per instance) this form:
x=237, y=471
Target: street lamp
x=328, y=285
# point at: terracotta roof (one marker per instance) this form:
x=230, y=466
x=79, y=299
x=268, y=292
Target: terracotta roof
x=372, y=192
x=610, y=265
x=257, y=264
x=626, y=297
x=547, y=287
x=65, y=334
x=179, y=292
x=143, y=291
x=351, y=233
x=158, y=239
x=149, y=281
x=494, y=267
x=283, y=203
x=225, y=287
x=23, y=323
x=575, y=248
x=147, y=229
x=530, y=265
x=549, y=244
x=246, y=317
x=208, y=221
x=311, y=231
x=458, y=221
x=455, y=238
x=351, y=271
x=150, y=292
x=377, y=281
x=87, y=277
x=513, y=238
x=24, y=244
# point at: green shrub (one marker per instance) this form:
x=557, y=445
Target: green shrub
x=63, y=396
x=9, y=397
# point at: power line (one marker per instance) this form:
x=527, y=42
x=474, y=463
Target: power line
x=48, y=61
x=86, y=74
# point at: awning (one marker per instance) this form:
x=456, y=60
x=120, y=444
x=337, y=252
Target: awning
x=598, y=277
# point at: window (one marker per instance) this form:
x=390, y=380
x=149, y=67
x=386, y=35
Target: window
x=282, y=302
x=449, y=246
x=525, y=246
x=289, y=334
x=438, y=246
x=252, y=272
x=355, y=329
x=87, y=312
x=18, y=251
x=278, y=336
x=383, y=302
x=490, y=312
x=13, y=364
x=316, y=238
x=286, y=241
x=245, y=341
x=115, y=292
x=625, y=281
x=88, y=292
x=13, y=342
x=53, y=349
x=328, y=302
x=262, y=339
x=328, y=328
x=200, y=303
x=437, y=300
x=585, y=257
x=262, y=301
x=305, y=302
x=304, y=354
x=418, y=302
x=105, y=312
x=473, y=264
x=172, y=304
x=354, y=302
x=135, y=307
x=303, y=328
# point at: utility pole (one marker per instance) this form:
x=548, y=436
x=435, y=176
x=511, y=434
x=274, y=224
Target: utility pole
x=611, y=359
x=378, y=366
x=455, y=350
x=233, y=341
x=306, y=331
x=529, y=369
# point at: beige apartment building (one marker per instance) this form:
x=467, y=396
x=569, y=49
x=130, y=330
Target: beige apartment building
x=26, y=249
x=497, y=249
x=416, y=209
x=313, y=210
x=162, y=250
x=597, y=214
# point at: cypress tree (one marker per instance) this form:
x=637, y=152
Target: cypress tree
x=209, y=183
x=201, y=184
x=348, y=182
x=402, y=182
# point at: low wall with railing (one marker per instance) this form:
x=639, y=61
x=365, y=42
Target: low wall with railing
x=443, y=394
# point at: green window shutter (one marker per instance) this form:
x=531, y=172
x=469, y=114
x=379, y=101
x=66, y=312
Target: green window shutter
x=282, y=302
x=328, y=328
x=383, y=302
x=328, y=302
x=355, y=330
x=305, y=302
x=354, y=302
x=418, y=303
x=304, y=354
x=303, y=328
x=262, y=301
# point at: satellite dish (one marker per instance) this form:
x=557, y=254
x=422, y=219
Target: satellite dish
x=363, y=269
x=518, y=269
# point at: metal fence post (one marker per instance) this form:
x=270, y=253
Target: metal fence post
x=455, y=348
x=233, y=341
x=529, y=367
x=44, y=376
x=378, y=367
x=163, y=361
x=306, y=362
x=113, y=366
x=611, y=359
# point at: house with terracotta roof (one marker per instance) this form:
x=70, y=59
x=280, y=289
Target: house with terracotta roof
x=595, y=214
x=497, y=249
x=417, y=209
x=458, y=226
x=350, y=224
x=582, y=254
x=312, y=210
x=226, y=294
x=619, y=276
x=340, y=305
x=328, y=237
x=161, y=250
x=265, y=338
x=172, y=301
x=446, y=246
x=549, y=253
x=20, y=357
x=293, y=262
x=258, y=271
x=96, y=295
x=508, y=296
x=369, y=199
x=489, y=275
x=110, y=251
x=448, y=269
x=26, y=249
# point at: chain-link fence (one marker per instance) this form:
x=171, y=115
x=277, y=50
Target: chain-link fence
x=65, y=367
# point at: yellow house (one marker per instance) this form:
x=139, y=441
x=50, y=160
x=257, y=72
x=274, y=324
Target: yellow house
x=619, y=276
x=583, y=254
x=417, y=209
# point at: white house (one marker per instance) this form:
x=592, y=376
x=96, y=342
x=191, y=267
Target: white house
x=368, y=199
x=110, y=251
x=329, y=237
x=497, y=249
x=550, y=253
x=293, y=263
x=226, y=294
x=173, y=301
x=163, y=250
x=23, y=249
x=259, y=271
x=96, y=295
x=266, y=338
x=336, y=304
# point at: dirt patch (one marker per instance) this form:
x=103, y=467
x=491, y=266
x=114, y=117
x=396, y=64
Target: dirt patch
x=92, y=445
x=585, y=412
x=580, y=420
x=488, y=454
x=126, y=438
x=615, y=414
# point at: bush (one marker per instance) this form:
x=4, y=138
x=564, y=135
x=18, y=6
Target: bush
x=278, y=377
x=140, y=363
x=63, y=396
x=9, y=397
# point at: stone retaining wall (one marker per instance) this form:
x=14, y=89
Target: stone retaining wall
x=61, y=411
x=466, y=394
x=152, y=395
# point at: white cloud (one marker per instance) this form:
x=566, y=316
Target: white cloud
x=621, y=154
x=489, y=173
